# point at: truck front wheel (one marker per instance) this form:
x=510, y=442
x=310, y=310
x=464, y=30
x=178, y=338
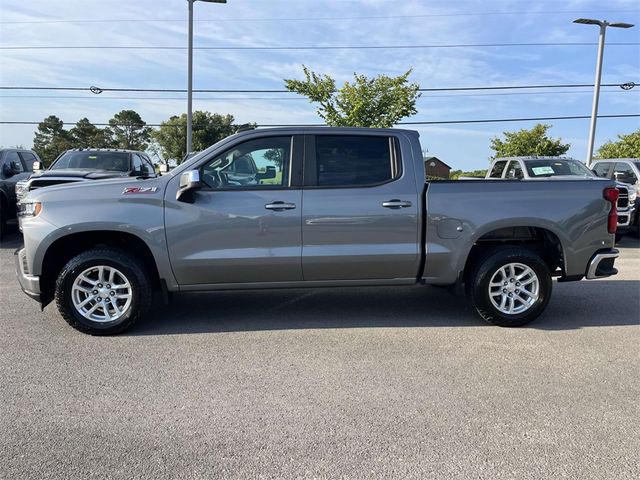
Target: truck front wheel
x=103, y=291
x=510, y=286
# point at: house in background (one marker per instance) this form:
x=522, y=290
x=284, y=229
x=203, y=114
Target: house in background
x=436, y=168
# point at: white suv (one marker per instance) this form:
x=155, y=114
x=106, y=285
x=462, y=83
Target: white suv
x=625, y=170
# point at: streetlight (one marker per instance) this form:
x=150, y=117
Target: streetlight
x=190, y=73
x=603, y=24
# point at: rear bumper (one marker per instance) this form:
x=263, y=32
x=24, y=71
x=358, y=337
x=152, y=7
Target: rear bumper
x=601, y=264
x=30, y=284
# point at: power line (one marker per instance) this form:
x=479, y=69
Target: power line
x=305, y=19
x=300, y=98
x=98, y=90
x=317, y=47
x=433, y=122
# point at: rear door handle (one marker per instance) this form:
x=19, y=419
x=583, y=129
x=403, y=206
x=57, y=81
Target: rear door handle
x=395, y=203
x=280, y=206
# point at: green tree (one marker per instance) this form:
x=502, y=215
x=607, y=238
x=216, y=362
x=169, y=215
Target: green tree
x=85, y=135
x=367, y=102
x=627, y=146
x=208, y=128
x=128, y=130
x=528, y=143
x=456, y=174
x=51, y=139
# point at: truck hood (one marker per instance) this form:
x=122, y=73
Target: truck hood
x=80, y=173
x=110, y=187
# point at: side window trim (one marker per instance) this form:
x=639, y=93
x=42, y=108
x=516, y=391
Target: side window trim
x=310, y=161
x=294, y=181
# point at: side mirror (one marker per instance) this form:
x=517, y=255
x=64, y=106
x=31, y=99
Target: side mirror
x=189, y=183
x=37, y=166
x=269, y=173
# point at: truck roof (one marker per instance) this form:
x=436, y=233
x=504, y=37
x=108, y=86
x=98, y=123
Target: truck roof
x=525, y=158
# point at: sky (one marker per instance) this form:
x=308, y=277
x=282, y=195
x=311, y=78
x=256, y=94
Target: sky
x=296, y=23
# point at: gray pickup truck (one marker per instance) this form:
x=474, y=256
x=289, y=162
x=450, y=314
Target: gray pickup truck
x=309, y=207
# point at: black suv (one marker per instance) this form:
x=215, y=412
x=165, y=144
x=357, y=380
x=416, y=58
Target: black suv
x=89, y=164
x=15, y=164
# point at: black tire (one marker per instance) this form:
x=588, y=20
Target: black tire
x=128, y=265
x=477, y=285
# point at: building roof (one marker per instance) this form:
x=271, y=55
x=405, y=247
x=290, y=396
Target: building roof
x=426, y=159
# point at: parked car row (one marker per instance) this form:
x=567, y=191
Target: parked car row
x=88, y=164
x=15, y=165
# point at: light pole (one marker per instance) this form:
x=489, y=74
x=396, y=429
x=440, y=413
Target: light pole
x=603, y=24
x=190, y=72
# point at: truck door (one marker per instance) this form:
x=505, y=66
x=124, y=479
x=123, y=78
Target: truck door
x=244, y=225
x=360, y=208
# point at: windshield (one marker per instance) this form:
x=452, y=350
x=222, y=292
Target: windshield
x=112, y=161
x=550, y=168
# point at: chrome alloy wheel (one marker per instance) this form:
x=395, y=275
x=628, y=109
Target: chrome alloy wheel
x=101, y=294
x=514, y=288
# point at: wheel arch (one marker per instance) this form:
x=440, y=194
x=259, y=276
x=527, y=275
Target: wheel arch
x=66, y=247
x=541, y=240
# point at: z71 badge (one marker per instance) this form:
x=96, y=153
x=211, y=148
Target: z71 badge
x=131, y=190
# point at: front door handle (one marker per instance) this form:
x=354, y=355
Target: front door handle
x=280, y=206
x=395, y=203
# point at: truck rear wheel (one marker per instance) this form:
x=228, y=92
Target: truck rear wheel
x=510, y=286
x=103, y=291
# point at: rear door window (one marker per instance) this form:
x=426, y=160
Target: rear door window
x=350, y=160
x=498, y=168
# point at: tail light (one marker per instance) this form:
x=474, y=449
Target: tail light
x=611, y=194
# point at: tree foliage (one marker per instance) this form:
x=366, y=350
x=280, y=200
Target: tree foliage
x=627, y=146
x=208, y=128
x=51, y=139
x=534, y=142
x=378, y=102
x=456, y=174
x=86, y=135
x=128, y=130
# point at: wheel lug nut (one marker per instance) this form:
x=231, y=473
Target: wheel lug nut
x=504, y=290
x=505, y=283
x=511, y=294
x=517, y=284
x=95, y=292
x=99, y=299
x=108, y=286
x=112, y=293
x=517, y=291
x=99, y=285
x=511, y=280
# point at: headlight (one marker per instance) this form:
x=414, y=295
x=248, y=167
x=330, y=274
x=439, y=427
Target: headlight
x=29, y=209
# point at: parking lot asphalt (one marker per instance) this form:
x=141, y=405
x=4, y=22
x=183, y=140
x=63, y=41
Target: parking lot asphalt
x=326, y=383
